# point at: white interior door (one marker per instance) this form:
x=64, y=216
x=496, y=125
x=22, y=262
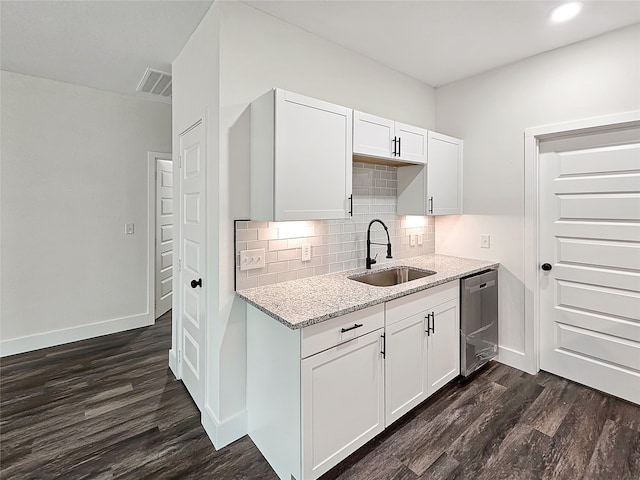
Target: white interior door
x=590, y=239
x=192, y=261
x=164, y=235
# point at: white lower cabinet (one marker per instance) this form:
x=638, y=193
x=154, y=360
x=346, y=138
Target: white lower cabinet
x=423, y=347
x=443, y=345
x=317, y=394
x=405, y=366
x=342, y=401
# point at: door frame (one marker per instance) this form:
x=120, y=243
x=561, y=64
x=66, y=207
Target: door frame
x=532, y=139
x=151, y=226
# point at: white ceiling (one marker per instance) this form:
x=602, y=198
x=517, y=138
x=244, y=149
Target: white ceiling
x=108, y=44
x=442, y=41
x=100, y=44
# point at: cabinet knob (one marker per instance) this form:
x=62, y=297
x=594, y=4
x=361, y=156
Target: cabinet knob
x=195, y=283
x=546, y=267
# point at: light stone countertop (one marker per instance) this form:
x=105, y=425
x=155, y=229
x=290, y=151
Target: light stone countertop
x=300, y=303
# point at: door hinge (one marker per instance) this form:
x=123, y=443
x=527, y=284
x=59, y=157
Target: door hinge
x=179, y=264
x=180, y=161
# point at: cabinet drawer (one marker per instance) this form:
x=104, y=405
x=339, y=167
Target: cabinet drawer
x=329, y=333
x=415, y=303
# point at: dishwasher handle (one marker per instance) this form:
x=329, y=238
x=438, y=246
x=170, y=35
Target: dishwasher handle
x=482, y=286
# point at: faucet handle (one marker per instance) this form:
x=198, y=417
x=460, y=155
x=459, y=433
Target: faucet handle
x=373, y=260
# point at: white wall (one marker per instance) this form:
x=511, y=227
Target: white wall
x=490, y=112
x=196, y=95
x=258, y=52
x=74, y=171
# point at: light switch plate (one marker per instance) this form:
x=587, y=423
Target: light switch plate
x=412, y=239
x=420, y=239
x=252, y=259
x=485, y=241
x=128, y=228
x=306, y=252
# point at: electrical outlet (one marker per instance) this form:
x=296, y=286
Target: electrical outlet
x=252, y=259
x=412, y=239
x=306, y=252
x=128, y=228
x=485, y=241
x=420, y=239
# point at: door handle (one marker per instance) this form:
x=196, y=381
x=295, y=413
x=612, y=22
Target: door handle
x=399, y=147
x=384, y=345
x=430, y=204
x=546, y=267
x=394, y=146
x=430, y=329
x=195, y=284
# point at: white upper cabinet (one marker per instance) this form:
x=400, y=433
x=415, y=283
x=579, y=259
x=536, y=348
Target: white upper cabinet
x=301, y=158
x=411, y=143
x=372, y=136
x=386, y=139
x=444, y=175
x=434, y=189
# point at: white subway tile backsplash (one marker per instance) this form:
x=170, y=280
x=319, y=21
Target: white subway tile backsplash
x=247, y=235
x=267, y=279
x=292, y=254
x=254, y=224
x=286, y=276
x=305, y=272
x=336, y=244
x=278, y=267
x=270, y=257
x=242, y=283
x=258, y=244
x=336, y=267
x=275, y=245
x=319, y=250
x=267, y=233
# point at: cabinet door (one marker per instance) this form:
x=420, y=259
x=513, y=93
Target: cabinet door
x=342, y=402
x=412, y=143
x=444, y=175
x=405, y=366
x=443, y=345
x=313, y=158
x=372, y=136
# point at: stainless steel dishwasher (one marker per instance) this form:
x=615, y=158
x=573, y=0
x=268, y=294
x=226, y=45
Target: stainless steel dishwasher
x=478, y=320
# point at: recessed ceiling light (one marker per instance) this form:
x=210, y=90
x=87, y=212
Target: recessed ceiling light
x=566, y=12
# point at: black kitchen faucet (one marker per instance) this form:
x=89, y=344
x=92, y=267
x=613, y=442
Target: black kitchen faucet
x=371, y=261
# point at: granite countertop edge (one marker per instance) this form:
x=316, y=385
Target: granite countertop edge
x=384, y=296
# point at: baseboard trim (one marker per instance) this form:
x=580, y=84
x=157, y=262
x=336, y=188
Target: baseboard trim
x=516, y=359
x=223, y=433
x=173, y=363
x=38, y=341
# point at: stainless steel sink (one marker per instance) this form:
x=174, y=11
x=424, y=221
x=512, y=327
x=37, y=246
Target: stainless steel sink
x=392, y=276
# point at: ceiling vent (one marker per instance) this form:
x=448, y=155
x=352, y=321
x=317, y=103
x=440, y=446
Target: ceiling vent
x=155, y=82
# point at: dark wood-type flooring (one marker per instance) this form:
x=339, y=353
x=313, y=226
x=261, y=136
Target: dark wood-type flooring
x=110, y=408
